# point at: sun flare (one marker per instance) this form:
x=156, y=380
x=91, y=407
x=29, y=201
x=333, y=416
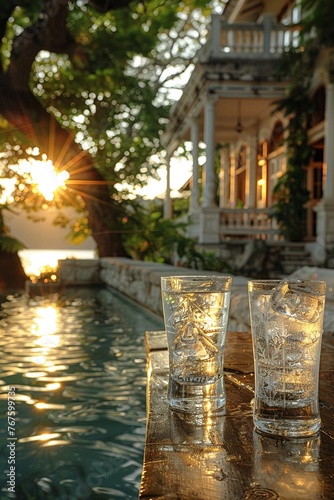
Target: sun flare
x=40, y=175
x=45, y=177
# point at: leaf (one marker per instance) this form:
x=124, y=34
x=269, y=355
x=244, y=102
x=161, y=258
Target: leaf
x=10, y=245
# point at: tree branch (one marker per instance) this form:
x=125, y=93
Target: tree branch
x=104, y=6
x=48, y=33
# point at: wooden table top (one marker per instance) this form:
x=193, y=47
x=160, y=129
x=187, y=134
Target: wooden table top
x=224, y=458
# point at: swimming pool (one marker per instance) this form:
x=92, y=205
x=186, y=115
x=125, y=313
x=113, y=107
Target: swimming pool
x=74, y=371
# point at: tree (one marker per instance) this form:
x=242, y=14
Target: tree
x=80, y=84
x=31, y=118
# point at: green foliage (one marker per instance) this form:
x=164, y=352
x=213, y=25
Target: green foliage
x=150, y=237
x=180, y=206
x=290, y=193
x=80, y=231
x=113, y=82
x=289, y=207
x=203, y=260
x=8, y=244
x=318, y=20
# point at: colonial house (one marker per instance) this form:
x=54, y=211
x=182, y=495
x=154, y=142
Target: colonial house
x=227, y=105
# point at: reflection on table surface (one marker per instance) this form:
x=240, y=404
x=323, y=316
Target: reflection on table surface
x=222, y=457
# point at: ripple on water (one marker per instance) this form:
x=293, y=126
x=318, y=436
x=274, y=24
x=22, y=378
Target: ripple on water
x=79, y=375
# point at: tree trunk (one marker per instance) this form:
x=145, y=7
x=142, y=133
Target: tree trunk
x=12, y=275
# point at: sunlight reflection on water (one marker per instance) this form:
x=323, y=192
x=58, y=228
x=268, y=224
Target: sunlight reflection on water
x=78, y=369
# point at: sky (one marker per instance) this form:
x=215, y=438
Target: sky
x=180, y=171
x=43, y=234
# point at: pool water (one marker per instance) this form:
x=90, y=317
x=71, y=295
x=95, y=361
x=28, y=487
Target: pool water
x=74, y=370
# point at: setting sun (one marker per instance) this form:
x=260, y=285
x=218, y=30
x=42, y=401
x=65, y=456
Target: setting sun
x=45, y=177
x=41, y=176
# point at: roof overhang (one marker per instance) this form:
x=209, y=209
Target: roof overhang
x=252, y=100
x=252, y=10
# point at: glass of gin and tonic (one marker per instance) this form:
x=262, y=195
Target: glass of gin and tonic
x=196, y=314
x=287, y=325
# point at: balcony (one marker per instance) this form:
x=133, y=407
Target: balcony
x=252, y=41
x=237, y=63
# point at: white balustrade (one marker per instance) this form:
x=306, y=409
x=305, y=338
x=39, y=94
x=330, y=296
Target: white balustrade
x=254, y=40
x=247, y=222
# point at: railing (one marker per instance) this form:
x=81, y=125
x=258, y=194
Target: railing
x=251, y=40
x=231, y=223
x=247, y=222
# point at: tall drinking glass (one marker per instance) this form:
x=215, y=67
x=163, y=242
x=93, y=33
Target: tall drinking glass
x=287, y=325
x=196, y=313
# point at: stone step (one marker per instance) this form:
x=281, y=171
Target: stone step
x=301, y=260
x=295, y=252
x=294, y=256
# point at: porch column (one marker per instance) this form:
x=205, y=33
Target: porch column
x=168, y=201
x=210, y=181
x=233, y=194
x=224, y=182
x=329, y=144
x=267, y=23
x=194, y=197
x=325, y=208
x=251, y=173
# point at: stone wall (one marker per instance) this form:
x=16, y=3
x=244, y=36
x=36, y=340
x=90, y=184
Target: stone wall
x=79, y=271
x=141, y=282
